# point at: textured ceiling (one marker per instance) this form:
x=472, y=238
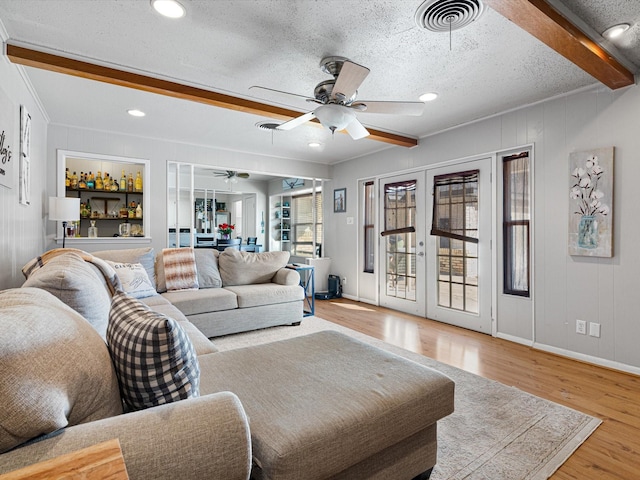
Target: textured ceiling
x=229, y=45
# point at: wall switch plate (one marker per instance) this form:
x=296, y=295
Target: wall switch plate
x=594, y=329
x=581, y=327
x=349, y=220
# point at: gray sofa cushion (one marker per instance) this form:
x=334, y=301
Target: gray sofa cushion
x=191, y=302
x=146, y=256
x=56, y=369
x=161, y=305
x=323, y=402
x=245, y=268
x=77, y=283
x=266, y=294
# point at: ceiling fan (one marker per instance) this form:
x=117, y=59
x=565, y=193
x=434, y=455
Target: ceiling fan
x=337, y=100
x=231, y=175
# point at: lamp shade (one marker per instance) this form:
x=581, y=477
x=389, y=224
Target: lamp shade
x=334, y=117
x=64, y=209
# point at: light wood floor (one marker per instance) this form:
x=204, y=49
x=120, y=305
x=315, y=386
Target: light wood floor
x=612, y=451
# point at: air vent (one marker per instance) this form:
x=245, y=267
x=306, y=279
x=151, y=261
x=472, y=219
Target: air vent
x=448, y=15
x=267, y=126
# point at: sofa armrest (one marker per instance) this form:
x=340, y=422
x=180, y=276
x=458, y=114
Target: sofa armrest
x=205, y=437
x=286, y=276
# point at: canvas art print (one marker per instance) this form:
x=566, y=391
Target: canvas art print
x=7, y=144
x=591, y=203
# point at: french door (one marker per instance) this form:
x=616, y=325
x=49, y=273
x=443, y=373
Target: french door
x=402, y=279
x=459, y=250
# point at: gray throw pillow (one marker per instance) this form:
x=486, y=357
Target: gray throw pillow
x=154, y=359
x=246, y=268
x=55, y=369
x=77, y=283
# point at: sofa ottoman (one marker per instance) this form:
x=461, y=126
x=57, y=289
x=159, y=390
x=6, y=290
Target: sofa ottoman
x=327, y=406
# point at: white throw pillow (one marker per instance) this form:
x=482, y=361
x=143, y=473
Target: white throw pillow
x=134, y=279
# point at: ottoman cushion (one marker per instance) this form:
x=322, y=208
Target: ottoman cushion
x=321, y=403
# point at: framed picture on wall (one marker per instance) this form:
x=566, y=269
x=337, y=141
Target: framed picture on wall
x=340, y=200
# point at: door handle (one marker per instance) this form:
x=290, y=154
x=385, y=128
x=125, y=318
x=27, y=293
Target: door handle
x=421, y=254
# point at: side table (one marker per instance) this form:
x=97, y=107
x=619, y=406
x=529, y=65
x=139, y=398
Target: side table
x=307, y=281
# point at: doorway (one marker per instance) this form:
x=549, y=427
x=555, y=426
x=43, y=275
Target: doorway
x=459, y=248
x=402, y=279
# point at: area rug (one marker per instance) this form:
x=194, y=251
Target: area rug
x=497, y=432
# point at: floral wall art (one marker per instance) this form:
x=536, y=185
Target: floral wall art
x=591, y=203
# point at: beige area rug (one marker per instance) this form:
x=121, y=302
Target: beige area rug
x=497, y=432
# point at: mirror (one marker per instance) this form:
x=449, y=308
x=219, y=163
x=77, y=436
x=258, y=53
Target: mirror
x=200, y=198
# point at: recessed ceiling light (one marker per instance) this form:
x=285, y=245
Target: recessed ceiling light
x=134, y=112
x=168, y=8
x=428, y=97
x=615, y=31
x=315, y=144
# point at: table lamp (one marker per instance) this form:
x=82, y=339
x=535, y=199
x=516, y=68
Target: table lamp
x=63, y=209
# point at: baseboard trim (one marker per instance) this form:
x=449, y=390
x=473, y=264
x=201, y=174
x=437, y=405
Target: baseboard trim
x=514, y=339
x=601, y=362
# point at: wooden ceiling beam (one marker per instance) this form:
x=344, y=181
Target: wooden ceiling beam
x=56, y=63
x=546, y=24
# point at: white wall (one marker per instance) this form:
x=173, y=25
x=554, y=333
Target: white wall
x=21, y=226
x=565, y=288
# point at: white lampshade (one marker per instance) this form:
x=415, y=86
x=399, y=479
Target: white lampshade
x=333, y=116
x=64, y=209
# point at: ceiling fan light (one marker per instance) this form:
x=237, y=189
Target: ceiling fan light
x=615, y=31
x=334, y=117
x=168, y=8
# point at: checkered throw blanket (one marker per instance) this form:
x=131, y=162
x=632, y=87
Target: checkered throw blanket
x=113, y=282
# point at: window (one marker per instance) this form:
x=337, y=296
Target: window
x=455, y=223
x=304, y=228
x=369, y=227
x=516, y=219
x=400, y=239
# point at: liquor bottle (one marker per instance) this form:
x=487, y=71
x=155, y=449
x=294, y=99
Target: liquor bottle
x=106, y=183
x=130, y=183
x=91, y=181
x=123, y=182
x=99, y=182
x=67, y=178
x=93, y=230
x=138, y=185
x=88, y=208
x=82, y=181
x=74, y=180
x=139, y=211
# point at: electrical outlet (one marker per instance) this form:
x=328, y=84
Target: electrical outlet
x=581, y=327
x=594, y=329
x=344, y=280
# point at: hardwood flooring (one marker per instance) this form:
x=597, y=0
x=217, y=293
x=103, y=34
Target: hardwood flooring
x=611, y=452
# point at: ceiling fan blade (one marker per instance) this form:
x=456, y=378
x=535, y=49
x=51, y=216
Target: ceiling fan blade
x=280, y=92
x=356, y=130
x=242, y=175
x=296, y=121
x=350, y=78
x=395, y=108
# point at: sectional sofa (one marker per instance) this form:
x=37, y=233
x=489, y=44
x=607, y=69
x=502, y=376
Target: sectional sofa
x=320, y=406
